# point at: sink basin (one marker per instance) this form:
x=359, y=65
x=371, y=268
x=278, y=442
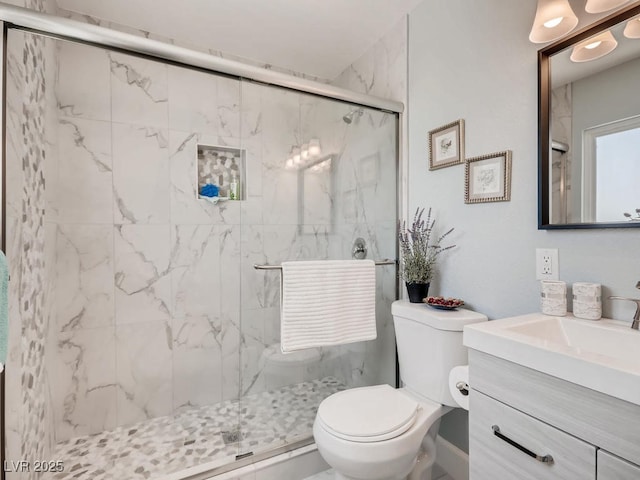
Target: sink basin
x=584, y=337
x=603, y=355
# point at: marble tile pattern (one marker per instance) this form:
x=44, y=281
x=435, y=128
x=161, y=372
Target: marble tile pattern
x=30, y=244
x=326, y=475
x=14, y=176
x=381, y=71
x=159, y=309
x=195, y=435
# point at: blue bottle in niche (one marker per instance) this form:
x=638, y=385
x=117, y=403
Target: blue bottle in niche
x=209, y=189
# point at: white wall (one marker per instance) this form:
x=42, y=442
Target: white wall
x=473, y=60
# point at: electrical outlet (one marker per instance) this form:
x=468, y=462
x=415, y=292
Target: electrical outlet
x=547, y=264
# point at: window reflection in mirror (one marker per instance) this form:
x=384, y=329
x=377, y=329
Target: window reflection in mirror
x=611, y=171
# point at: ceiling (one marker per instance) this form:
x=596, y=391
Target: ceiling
x=316, y=37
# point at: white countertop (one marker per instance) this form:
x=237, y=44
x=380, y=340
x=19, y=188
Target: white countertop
x=602, y=355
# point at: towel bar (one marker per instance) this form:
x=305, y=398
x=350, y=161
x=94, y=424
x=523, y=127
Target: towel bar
x=386, y=261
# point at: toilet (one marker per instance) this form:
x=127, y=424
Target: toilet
x=383, y=433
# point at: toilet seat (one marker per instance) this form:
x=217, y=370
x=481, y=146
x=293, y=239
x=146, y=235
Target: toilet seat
x=368, y=414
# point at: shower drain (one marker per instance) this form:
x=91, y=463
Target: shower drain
x=232, y=436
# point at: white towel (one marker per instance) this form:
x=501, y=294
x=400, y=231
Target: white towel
x=328, y=302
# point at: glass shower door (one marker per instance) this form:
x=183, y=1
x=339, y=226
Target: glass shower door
x=320, y=174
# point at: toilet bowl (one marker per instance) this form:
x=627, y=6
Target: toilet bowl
x=374, y=433
x=383, y=433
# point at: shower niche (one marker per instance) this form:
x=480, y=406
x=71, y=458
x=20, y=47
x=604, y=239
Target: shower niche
x=221, y=173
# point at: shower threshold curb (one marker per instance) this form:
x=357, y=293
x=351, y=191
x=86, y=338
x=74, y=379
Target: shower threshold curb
x=245, y=465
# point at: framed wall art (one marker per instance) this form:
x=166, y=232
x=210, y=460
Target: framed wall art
x=446, y=145
x=488, y=178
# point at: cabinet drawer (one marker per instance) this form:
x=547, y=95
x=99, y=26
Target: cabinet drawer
x=614, y=468
x=610, y=423
x=492, y=457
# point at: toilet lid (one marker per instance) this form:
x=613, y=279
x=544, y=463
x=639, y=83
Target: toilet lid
x=368, y=414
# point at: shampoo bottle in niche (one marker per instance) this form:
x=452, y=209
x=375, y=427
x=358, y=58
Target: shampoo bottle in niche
x=234, y=187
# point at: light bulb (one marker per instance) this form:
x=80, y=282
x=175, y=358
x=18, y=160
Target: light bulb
x=290, y=163
x=554, y=19
x=554, y=22
x=600, y=6
x=304, y=153
x=314, y=147
x=594, y=48
x=296, y=155
x=632, y=30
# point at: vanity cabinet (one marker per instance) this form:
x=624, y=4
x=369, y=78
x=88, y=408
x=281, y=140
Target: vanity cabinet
x=611, y=467
x=527, y=425
x=512, y=445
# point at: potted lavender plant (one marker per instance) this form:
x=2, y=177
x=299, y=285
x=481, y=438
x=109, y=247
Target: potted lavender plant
x=419, y=255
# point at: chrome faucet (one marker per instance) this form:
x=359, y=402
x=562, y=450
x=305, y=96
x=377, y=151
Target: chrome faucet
x=636, y=317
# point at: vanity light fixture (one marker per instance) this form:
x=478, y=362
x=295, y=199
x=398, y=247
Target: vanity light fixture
x=289, y=162
x=299, y=156
x=632, y=30
x=599, y=6
x=314, y=147
x=594, y=47
x=554, y=19
x=296, y=155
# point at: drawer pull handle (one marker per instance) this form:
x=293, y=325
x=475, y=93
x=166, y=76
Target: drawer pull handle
x=548, y=459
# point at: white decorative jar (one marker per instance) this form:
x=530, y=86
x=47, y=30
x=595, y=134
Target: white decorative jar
x=587, y=300
x=553, y=299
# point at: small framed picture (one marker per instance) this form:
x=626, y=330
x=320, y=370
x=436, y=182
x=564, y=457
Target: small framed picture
x=446, y=145
x=488, y=178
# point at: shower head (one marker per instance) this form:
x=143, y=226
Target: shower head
x=348, y=118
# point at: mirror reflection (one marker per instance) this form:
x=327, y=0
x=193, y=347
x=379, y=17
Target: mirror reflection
x=594, y=165
x=315, y=184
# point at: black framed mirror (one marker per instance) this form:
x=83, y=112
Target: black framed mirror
x=589, y=126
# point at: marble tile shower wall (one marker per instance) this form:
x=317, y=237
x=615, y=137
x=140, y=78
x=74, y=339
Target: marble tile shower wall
x=156, y=291
x=561, y=131
x=31, y=155
x=147, y=315
x=382, y=71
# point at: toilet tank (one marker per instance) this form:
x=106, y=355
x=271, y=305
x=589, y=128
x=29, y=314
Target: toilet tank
x=429, y=346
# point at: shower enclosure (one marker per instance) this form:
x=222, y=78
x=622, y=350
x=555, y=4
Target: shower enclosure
x=143, y=341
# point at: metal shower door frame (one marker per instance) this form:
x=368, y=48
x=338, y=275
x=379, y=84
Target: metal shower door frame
x=30, y=21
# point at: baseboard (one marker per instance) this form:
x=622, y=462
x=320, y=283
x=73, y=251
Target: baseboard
x=453, y=460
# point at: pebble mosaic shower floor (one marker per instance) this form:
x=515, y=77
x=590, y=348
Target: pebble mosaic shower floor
x=196, y=435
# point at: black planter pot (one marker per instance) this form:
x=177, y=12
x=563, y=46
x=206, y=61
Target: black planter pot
x=417, y=291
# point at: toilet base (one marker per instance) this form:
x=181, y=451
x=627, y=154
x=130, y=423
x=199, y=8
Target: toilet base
x=339, y=476
x=422, y=467
x=427, y=456
x=425, y=474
